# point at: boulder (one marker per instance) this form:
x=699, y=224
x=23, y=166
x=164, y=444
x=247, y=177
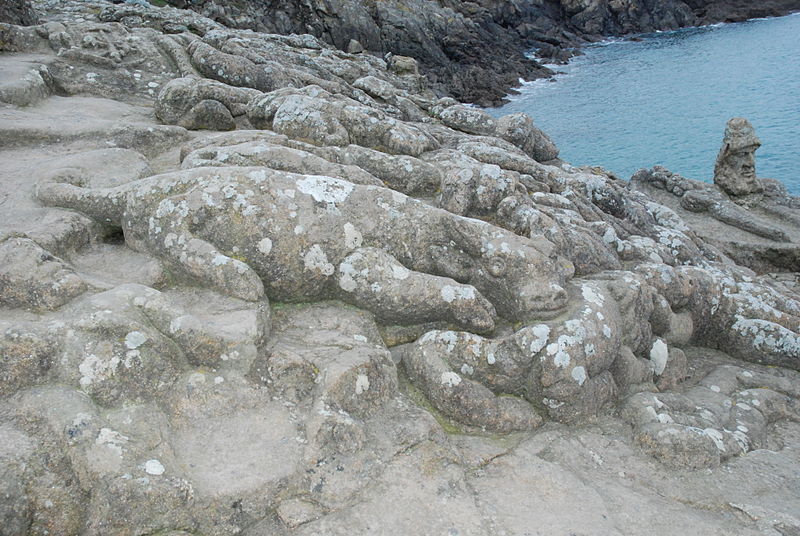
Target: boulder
x=33, y=278
x=179, y=102
x=520, y=130
x=469, y=120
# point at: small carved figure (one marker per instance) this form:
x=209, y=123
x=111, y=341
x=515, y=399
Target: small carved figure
x=735, y=170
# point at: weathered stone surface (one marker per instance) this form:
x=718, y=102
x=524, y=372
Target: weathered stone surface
x=178, y=101
x=228, y=68
x=28, y=352
x=757, y=227
x=723, y=415
x=568, y=352
x=735, y=168
x=208, y=114
x=276, y=157
x=32, y=277
x=24, y=83
x=18, y=12
x=468, y=120
x=155, y=215
x=520, y=130
x=314, y=115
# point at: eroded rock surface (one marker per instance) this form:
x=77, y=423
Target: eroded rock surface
x=252, y=284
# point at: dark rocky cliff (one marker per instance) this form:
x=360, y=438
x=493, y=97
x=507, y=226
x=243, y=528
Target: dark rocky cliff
x=475, y=50
x=17, y=12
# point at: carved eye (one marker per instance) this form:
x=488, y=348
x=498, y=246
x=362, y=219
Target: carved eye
x=497, y=267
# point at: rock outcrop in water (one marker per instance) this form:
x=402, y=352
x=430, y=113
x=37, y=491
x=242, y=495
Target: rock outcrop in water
x=252, y=284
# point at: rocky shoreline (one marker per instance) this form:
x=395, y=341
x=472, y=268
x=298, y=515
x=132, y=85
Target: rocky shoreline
x=476, y=51
x=251, y=284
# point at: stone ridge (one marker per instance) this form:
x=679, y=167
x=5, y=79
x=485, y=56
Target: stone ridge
x=475, y=51
x=252, y=284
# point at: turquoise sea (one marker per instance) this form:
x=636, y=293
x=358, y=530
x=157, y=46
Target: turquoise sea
x=665, y=99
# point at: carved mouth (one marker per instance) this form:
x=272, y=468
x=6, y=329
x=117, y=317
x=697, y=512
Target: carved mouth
x=546, y=306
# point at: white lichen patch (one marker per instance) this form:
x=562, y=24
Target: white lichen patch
x=741, y=440
x=112, y=440
x=264, y=246
x=592, y=296
x=352, y=237
x=154, y=467
x=579, y=375
x=362, y=383
x=491, y=359
x=561, y=357
x=347, y=283
x=450, y=379
x=451, y=293
x=551, y=403
x=610, y=236
x=541, y=333
x=93, y=368
x=241, y=267
x=316, y=260
x=467, y=370
x=325, y=189
x=347, y=274
x=135, y=339
x=220, y=260
x=400, y=272
x=666, y=217
x=659, y=354
x=450, y=338
x=716, y=437
x=257, y=176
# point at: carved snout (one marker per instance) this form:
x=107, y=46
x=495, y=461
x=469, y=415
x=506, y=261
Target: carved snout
x=541, y=299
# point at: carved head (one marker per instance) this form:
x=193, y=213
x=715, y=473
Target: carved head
x=735, y=170
x=522, y=277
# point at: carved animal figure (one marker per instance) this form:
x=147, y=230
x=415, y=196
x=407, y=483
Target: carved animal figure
x=251, y=231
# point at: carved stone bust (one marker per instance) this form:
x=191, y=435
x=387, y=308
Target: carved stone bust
x=735, y=169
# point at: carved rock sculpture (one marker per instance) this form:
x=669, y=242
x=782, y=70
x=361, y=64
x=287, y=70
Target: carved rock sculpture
x=130, y=410
x=735, y=169
x=312, y=237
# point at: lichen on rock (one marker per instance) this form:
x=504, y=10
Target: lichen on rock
x=254, y=284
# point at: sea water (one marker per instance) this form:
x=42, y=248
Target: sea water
x=664, y=100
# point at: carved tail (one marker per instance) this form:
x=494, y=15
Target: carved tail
x=105, y=205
